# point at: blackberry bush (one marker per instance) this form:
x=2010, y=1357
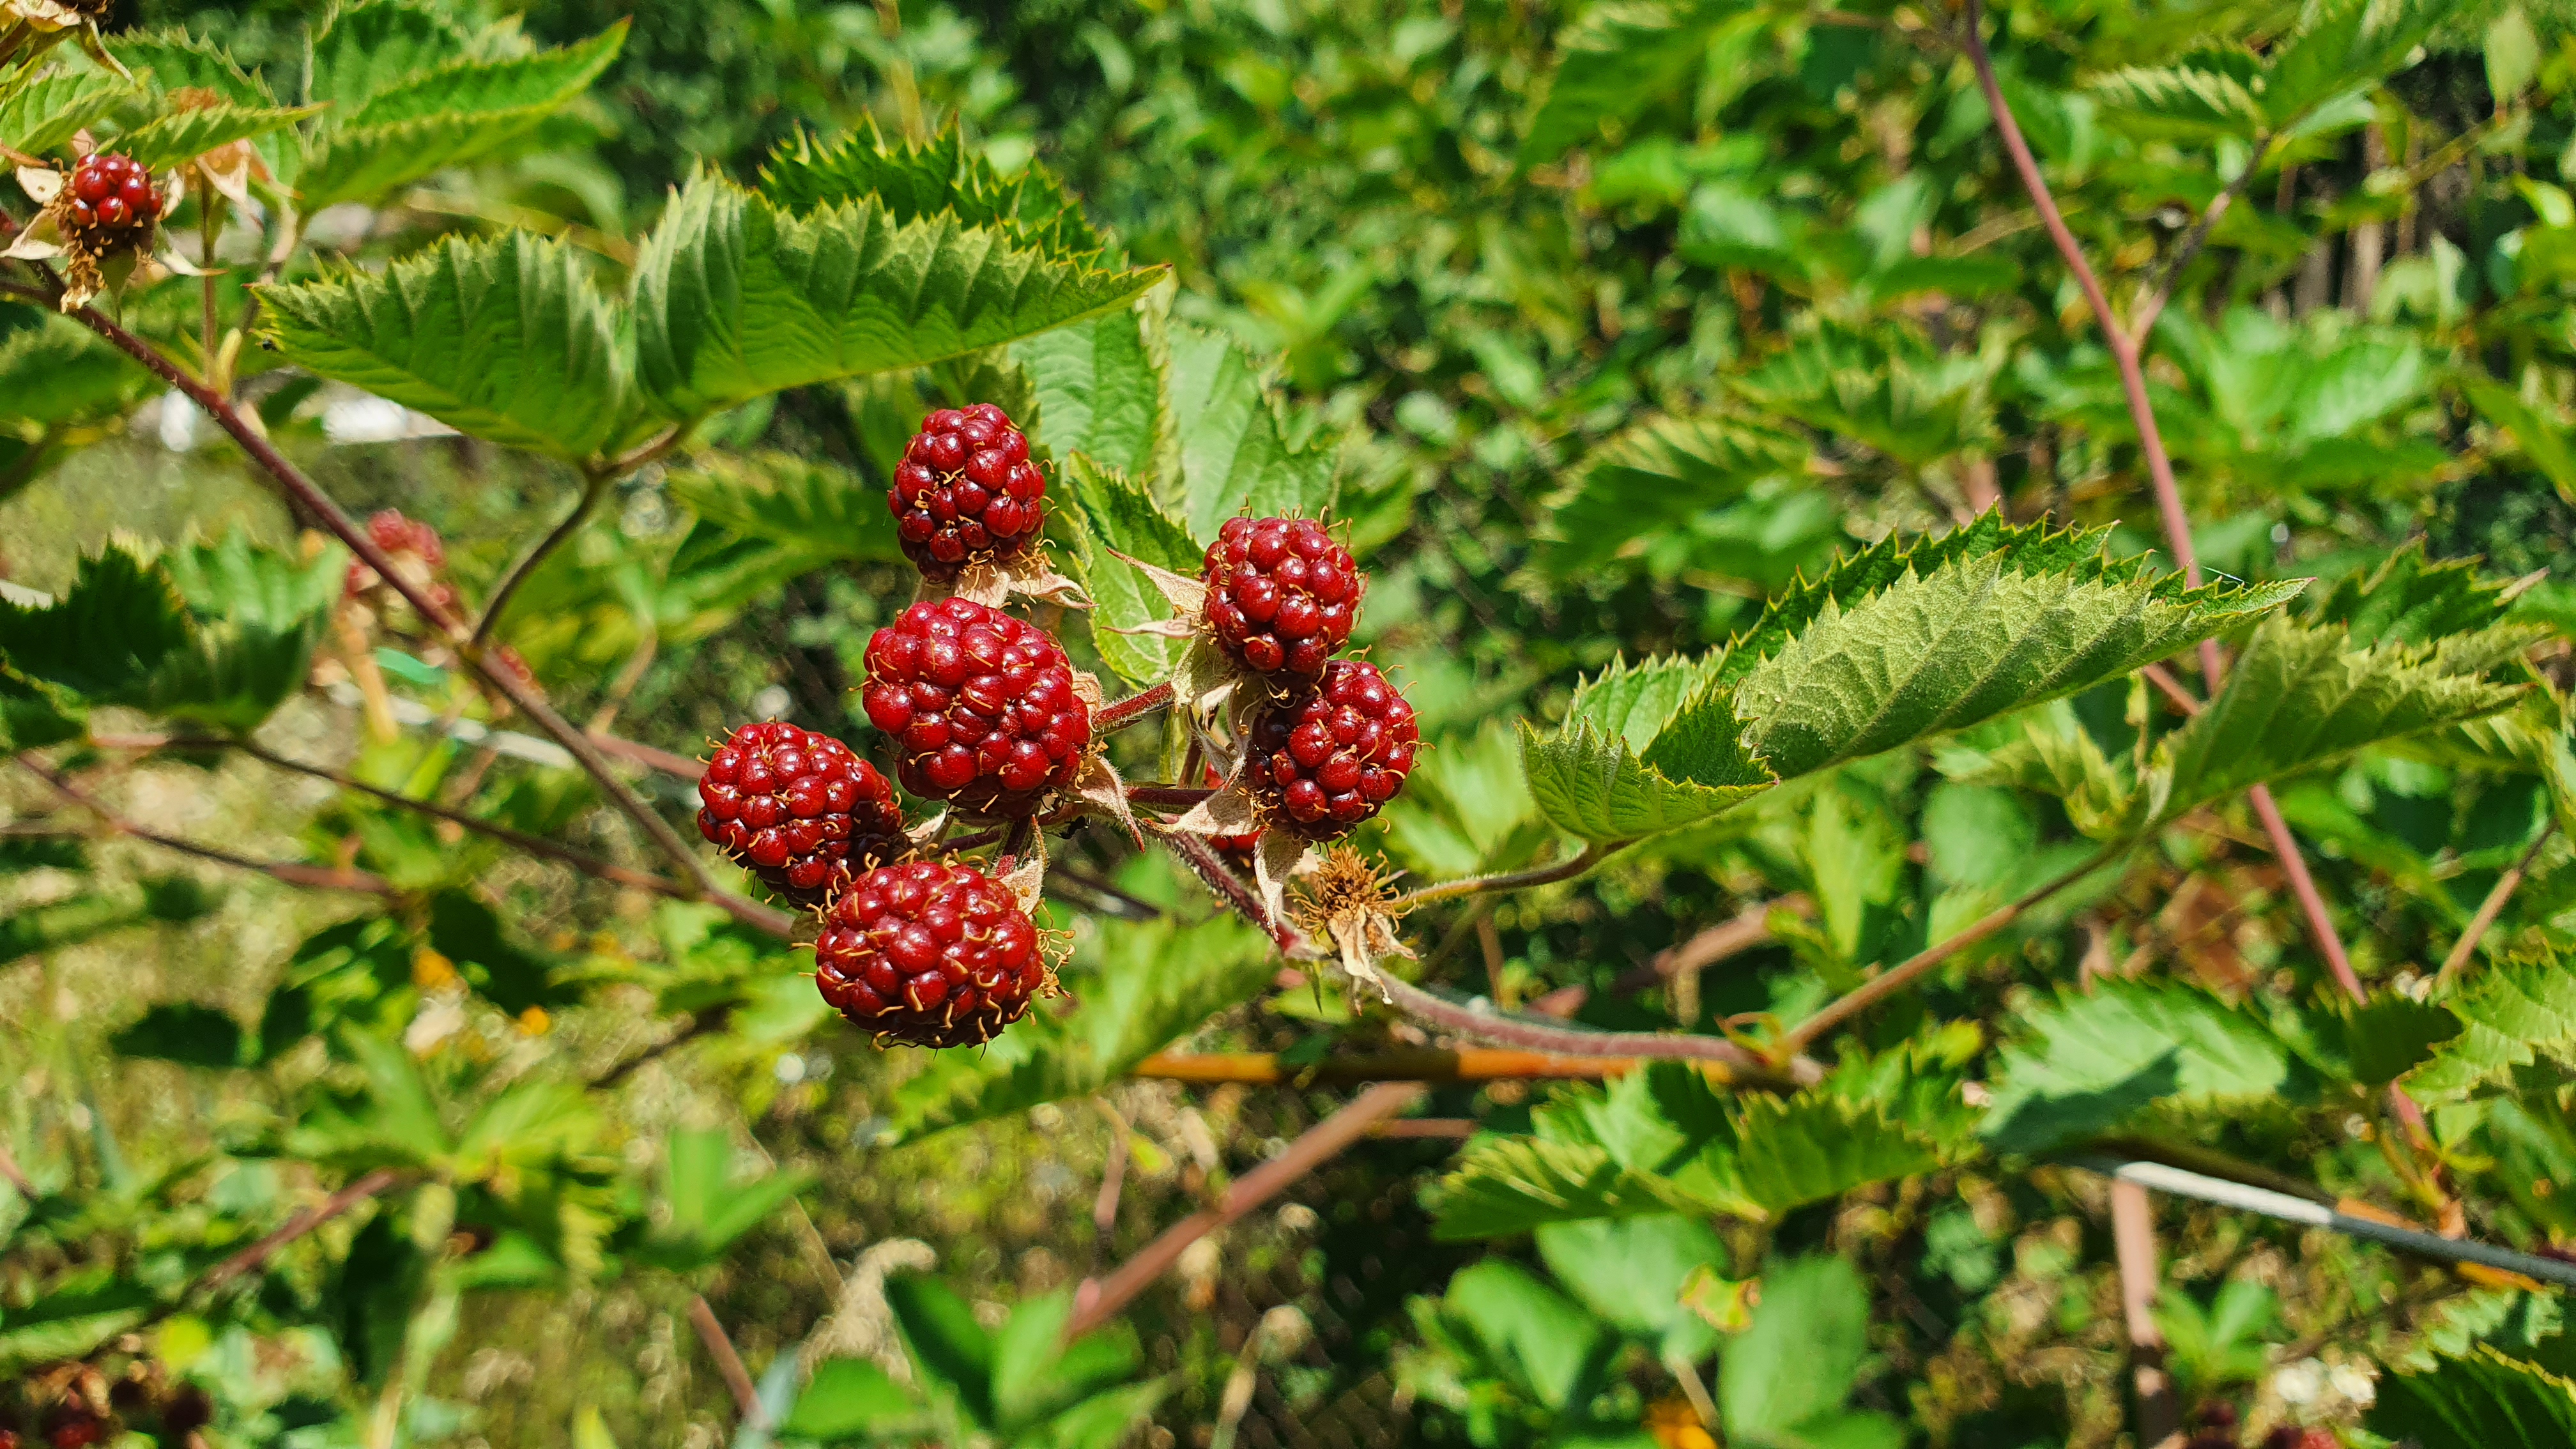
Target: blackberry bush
x=799, y=810
x=935, y=953
x=982, y=706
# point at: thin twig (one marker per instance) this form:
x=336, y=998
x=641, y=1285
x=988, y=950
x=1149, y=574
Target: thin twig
x=1743, y=931
x=1896, y=978
x=1101, y=1299
x=1113, y=1180
x=2158, y=289
x=10, y=1174
x=292, y=873
x=706, y=1023
x=2133, y=1242
x=1427, y=1064
x=1211, y=869
x=746, y=1396
x=1591, y=855
x=2303, y=887
x=297, y=1226
x=2492, y=907
x=1735, y=1063
x=592, y=490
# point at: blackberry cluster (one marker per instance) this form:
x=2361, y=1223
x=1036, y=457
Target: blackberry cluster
x=797, y=809
x=113, y=203
x=933, y=953
x=1282, y=596
x=981, y=704
x=1324, y=761
x=413, y=547
x=966, y=492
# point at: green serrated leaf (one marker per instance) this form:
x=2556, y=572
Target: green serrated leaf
x=59, y=372
x=1967, y=642
x=2516, y=1012
x=1506, y=1185
x=2297, y=698
x=186, y=135
x=1238, y=451
x=813, y=506
x=1103, y=390
x=2409, y=599
x=544, y=80
x=370, y=48
x=1816, y=1145
x=441, y=118
x=2387, y=1036
x=2483, y=1400
x=735, y=298
x=2212, y=93
x=104, y=635
x=1591, y=784
x=49, y=111
x=918, y=180
x=1614, y=62
x=2088, y=1061
x=502, y=338
x=1116, y=513
x=173, y=59
x=1656, y=473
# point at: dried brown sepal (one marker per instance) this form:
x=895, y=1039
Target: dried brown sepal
x=1026, y=881
x=1345, y=899
x=1282, y=857
x=993, y=581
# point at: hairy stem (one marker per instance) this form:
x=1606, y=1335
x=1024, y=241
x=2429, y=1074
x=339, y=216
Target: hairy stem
x=1118, y=714
x=1470, y=1064
x=250, y=1258
x=1590, y=856
x=1209, y=867
x=1168, y=797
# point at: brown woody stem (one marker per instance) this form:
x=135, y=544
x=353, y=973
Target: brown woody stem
x=1470, y=1064
x=2490, y=908
x=1591, y=855
x=1733, y=1062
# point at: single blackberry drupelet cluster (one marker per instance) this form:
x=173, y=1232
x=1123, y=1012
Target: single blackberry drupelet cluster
x=1326, y=760
x=981, y=704
x=1282, y=595
x=933, y=953
x=112, y=203
x=966, y=492
x=799, y=810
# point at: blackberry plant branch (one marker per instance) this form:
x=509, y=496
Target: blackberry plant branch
x=1737, y=1063
x=2506, y=884
x=1118, y=714
x=1896, y=978
x=598, y=476
x=318, y=504
x=2126, y=352
x=289, y=872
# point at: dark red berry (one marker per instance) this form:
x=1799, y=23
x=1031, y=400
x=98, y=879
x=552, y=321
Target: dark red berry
x=1282, y=595
x=933, y=953
x=798, y=809
x=966, y=491
x=2291, y=1436
x=74, y=1428
x=1324, y=761
x=981, y=704
x=113, y=201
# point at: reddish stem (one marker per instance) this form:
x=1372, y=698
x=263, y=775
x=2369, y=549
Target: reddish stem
x=294, y=873
x=1118, y=714
x=1101, y=1299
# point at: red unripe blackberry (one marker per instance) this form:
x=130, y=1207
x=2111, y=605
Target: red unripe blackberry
x=800, y=810
x=982, y=705
x=966, y=490
x=411, y=543
x=934, y=953
x=1326, y=760
x=1282, y=595
x=112, y=201
x=75, y=1428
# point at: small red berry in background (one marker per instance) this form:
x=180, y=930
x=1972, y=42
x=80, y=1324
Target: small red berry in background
x=414, y=548
x=981, y=704
x=966, y=491
x=798, y=809
x=1282, y=595
x=934, y=953
x=1325, y=761
x=113, y=201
